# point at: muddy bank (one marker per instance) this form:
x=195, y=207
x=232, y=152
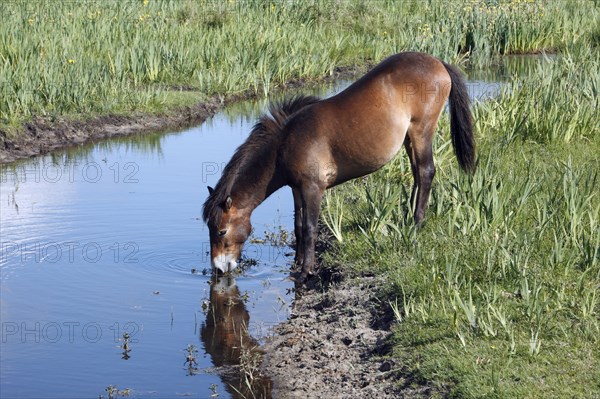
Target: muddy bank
x=337, y=344
x=330, y=347
x=44, y=134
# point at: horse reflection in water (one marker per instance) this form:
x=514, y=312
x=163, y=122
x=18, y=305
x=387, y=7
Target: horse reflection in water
x=227, y=340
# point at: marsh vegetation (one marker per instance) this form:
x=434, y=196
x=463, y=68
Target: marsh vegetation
x=79, y=59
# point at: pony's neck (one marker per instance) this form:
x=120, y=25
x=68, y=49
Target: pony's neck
x=250, y=189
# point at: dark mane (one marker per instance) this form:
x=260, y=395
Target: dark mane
x=249, y=157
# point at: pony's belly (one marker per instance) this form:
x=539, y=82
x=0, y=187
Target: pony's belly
x=363, y=164
x=368, y=153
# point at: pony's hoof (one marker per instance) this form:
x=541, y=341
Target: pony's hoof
x=301, y=276
x=306, y=274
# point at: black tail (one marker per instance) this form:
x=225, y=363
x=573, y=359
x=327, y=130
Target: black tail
x=461, y=123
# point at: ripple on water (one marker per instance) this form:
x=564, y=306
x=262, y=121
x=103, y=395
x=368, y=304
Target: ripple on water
x=173, y=262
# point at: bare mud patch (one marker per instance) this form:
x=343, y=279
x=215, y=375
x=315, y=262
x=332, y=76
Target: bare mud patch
x=335, y=344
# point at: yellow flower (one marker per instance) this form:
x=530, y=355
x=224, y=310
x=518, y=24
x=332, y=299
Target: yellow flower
x=145, y=3
x=71, y=61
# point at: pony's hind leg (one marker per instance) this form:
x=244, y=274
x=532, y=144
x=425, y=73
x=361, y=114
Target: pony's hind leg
x=413, y=168
x=421, y=138
x=299, y=258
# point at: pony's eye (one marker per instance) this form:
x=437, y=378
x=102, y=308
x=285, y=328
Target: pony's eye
x=222, y=233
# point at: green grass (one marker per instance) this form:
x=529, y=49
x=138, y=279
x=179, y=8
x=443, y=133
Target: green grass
x=81, y=58
x=498, y=295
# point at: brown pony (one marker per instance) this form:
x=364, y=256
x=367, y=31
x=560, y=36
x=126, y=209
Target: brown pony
x=311, y=145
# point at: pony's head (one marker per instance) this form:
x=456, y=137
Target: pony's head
x=228, y=228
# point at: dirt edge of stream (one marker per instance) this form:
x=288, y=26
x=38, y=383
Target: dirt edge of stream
x=337, y=343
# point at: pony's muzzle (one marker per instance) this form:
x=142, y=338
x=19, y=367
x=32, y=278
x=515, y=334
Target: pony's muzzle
x=225, y=263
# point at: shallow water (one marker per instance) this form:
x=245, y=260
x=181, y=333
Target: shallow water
x=107, y=239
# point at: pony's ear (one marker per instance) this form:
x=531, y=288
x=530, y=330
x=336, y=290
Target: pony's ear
x=210, y=190
x=228, y=203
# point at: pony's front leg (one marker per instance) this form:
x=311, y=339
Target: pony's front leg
x=311, y=205
x=299, y=258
